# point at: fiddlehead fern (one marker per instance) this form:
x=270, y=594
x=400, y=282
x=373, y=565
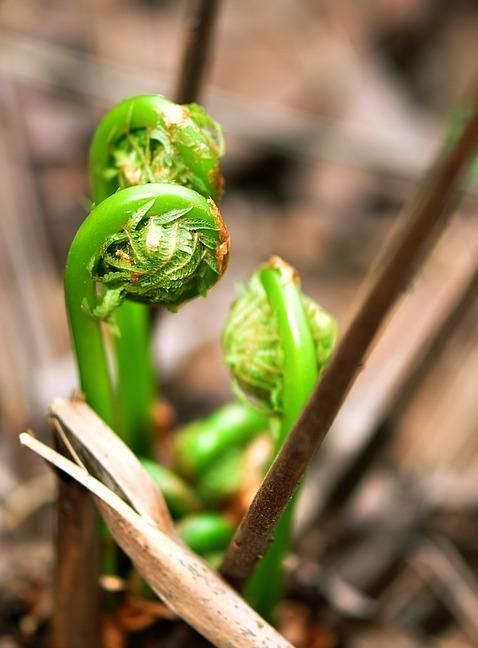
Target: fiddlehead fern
x=276, y=344
x=256, y=347
x=149, y=138
x=162, y=258
x=120, y=251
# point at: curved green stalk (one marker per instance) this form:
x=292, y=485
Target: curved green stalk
x=300, y=367
x=277, y=342
x=157, y=243
x=200, y=444
x=300, y=375
x=135, y=376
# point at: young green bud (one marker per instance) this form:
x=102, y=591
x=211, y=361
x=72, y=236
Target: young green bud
x=254, y=350
x=171, y=246
x=149, y=138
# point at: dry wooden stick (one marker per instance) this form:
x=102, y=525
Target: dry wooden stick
x=423, y=221
x=76, y=617
x=200, y=24
x=184, y=582
x=76, y=610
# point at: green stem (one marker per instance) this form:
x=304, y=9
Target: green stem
x=265, y=588
x=135, y=376
x=87, y=336
x=199, y=444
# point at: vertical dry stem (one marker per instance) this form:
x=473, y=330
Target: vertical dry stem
x=200, y=24
x=76, y=614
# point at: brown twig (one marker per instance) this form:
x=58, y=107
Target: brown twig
x=200, y=24
x=76, y=610
x=80, y=433
x=423, y=222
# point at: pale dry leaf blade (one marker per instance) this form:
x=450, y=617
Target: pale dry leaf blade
x=182, y=580
x=108, y=458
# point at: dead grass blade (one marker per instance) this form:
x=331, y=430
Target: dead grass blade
x=106, y=457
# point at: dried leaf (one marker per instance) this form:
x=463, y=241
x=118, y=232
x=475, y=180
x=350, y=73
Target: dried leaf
x=183, y=581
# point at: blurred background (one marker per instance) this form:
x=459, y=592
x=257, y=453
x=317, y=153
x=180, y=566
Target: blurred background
x=332, y=111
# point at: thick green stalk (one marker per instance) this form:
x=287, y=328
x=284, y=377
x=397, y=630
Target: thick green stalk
x=86, y=333
x=300, y=374
x=134, y=376
x=276, y=343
